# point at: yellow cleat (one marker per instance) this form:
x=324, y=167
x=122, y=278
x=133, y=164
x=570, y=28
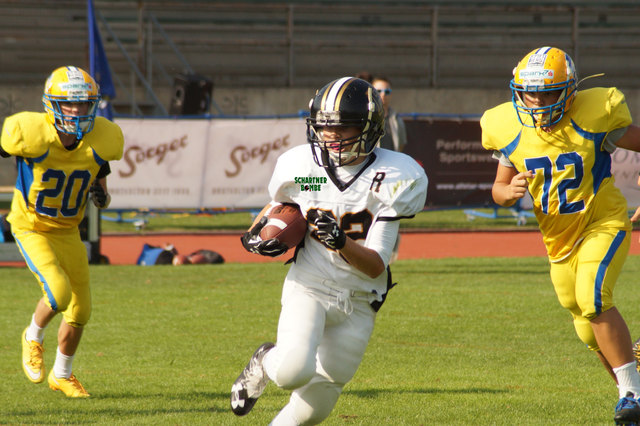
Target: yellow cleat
x=70, y=387
x=32, y=361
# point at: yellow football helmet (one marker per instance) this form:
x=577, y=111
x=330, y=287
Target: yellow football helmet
x=544, y=70
x=71, y=85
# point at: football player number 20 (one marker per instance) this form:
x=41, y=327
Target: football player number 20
x=64, y=186
x=563, y=162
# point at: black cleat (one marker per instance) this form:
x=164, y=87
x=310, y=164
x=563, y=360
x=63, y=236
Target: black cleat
x=250, y=383
x=627, y=411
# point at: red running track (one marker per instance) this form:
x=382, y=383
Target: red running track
x=125, y=249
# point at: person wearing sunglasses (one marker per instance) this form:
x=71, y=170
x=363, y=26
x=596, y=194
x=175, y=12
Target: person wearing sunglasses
x=395, y=134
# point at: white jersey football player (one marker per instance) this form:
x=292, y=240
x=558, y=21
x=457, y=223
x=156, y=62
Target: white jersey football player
x=352, y=195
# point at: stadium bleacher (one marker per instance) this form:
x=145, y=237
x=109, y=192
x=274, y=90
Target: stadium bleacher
x=421, y=43
x=292, y=46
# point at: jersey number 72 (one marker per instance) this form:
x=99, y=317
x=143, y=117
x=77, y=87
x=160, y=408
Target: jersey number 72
x=564, y=161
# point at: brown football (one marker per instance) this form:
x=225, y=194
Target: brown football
x=286, y=223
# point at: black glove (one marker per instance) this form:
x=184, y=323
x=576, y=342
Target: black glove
x=98, y=196
x=329, y=233
x=252, y=242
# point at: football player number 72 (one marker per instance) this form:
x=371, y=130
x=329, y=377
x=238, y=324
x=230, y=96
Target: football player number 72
x=63, y=186
x=564, y=161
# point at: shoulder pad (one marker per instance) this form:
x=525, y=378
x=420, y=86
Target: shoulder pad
x=106, y=139
x=600, y=109
x=27, y=134
x=500, y=126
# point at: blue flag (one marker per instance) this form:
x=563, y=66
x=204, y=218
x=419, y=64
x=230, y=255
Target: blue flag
x=99, y=65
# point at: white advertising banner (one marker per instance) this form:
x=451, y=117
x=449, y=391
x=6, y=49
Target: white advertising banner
x=161, y=166
x=177, y=163
x=625, y=166
x=241, y=158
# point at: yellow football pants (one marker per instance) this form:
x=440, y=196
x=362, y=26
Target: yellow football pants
x=59, y=261
x=584, y=281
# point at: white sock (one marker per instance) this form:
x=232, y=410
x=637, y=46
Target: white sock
x=35, y=332
x=62, y=366
x=628, y=379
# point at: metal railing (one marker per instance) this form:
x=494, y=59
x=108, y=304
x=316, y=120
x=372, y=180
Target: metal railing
x=421, y=44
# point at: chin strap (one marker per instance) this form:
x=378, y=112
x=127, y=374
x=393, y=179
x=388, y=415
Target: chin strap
x=588, y=77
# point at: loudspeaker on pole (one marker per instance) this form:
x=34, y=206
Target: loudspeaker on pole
x=191, y=95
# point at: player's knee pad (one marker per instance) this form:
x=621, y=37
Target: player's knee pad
x=585, y=332
x=568, y=302
x=78, y=318
x=587, y=311
x=291, y=369
x=565, y=290
x=314, y=403
x=57, y=294
x=78, y=312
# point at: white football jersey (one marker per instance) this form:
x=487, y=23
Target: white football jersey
x=390, y=186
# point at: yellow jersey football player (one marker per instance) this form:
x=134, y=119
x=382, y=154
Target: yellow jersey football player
x=556, y=142
x=62, y=156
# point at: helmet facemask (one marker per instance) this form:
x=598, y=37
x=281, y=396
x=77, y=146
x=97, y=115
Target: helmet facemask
x=543, y=70
x=545, y=116
x=71, y=85
x=336, y=152
x=346, y=102
x=77, y=125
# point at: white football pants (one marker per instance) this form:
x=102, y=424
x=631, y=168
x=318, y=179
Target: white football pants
x=322, y=335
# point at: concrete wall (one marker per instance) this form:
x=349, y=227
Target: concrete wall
x=277, y=101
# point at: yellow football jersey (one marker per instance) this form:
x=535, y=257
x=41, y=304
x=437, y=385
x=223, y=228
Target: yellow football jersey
x=52, y=187
x=573, y=189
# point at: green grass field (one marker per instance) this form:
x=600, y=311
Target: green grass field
x=455, y=219
x=460, y=341
x=428, y=220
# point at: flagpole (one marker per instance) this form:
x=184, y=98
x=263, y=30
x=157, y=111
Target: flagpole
x=99, y=70
x=91, y=20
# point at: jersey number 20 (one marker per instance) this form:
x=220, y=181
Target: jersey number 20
x=62, y=185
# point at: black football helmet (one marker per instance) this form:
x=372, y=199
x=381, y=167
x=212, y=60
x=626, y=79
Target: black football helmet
x=346, y=102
